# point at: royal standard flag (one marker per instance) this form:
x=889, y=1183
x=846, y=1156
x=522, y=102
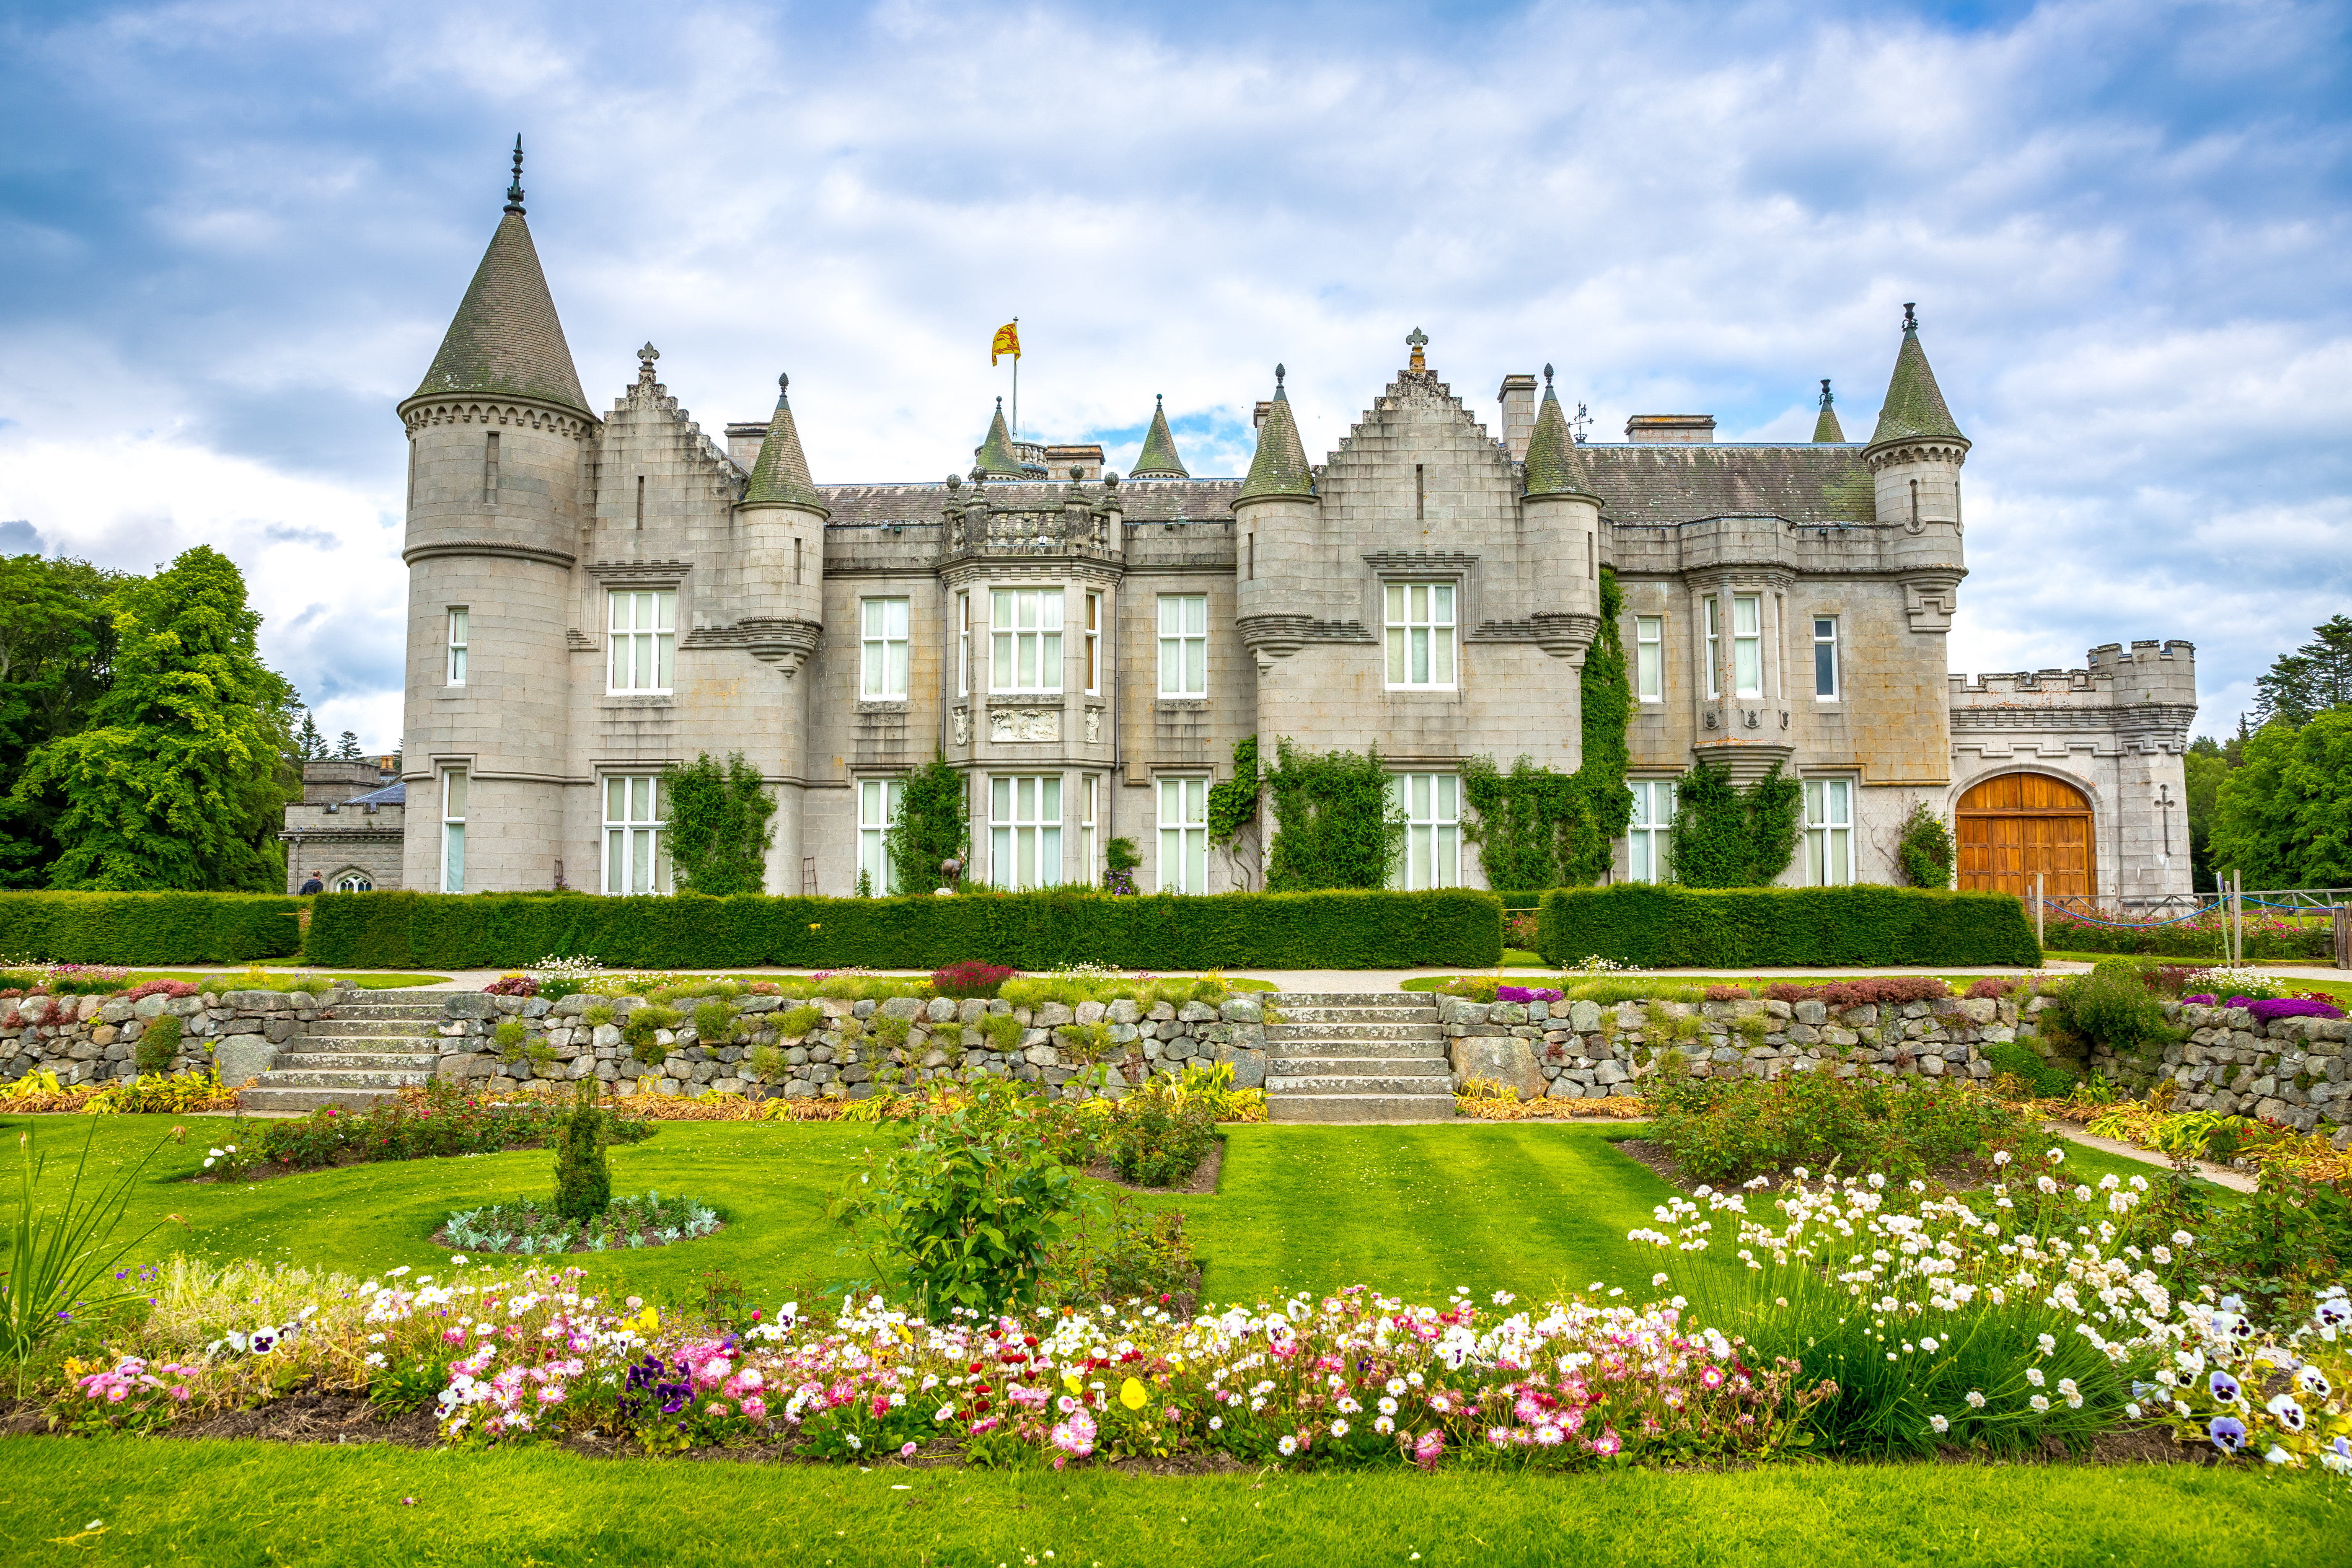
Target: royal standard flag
x=1008, y=341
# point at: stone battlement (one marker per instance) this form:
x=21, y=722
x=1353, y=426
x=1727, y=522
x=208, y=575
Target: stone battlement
x=2164, y=672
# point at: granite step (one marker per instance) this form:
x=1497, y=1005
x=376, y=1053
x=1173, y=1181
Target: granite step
x=1303, y=1015
x=1327, y=1062
x=368, y=1062
x=1365, y=1051
x=305, y=1101
x=1287, y=1000
x=1289, y=1084
x=1425, y=1033
x=1359, y=1108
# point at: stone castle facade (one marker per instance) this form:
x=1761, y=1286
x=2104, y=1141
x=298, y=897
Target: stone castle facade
x=594, y=595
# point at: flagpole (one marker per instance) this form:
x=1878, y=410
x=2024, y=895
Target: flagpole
x=1016, y=379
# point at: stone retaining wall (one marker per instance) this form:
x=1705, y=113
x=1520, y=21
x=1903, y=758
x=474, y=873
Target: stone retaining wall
x=838, y=1058
x=2294, y=1071
x=91, y=1039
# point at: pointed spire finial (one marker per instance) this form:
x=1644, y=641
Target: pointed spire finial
x=514, y=188
x=1417, y=340
x=783, y=384
x=1911, y=315
x=1547, y=378
x=1277, y=383
x=1826, y=398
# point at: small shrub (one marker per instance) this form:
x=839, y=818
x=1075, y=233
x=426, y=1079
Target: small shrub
x=714, y=1023
x=1728, y=993
x=768, y=1063
x=2040, y=1078
x=1002, y=1031
x=1924, y=849
x=1157, y=1140
x=1722, y=1130
x=1990, y=988
x=1087, y=1042
x=642, y=1034
x=891, y=1033
x=512, y=985
x=598, y=1015
x=583, y=1186
x=159, y=1042
x=510, y=1038
x=800, y=1021
x=970, y=978
x=2111, y=1007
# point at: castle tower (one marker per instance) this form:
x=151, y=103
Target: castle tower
x=1914, y=460
x=1562, y=516
x=497, y=437
x=1826, y=427
x=1277, y=537
x=1158, y=460
x=782, y=518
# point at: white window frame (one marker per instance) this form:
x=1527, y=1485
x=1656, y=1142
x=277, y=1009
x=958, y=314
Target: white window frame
x=1649, y=835
x=1093, y=645
x=1828, y=833
x=1650, y=659
x=1089, y=804
x=1433, y=610
x=641, y=632
x=879, y=804
x=453, y=830
x=636, y=834
x=1748, y=645
x=355, y=882
x=1183, y=620
x=1430, y=804
x=882, y=649
x=1183, y=835
x=964, y=644
x=1827, y=644
x=1025, y=628
x=1025, y=830
x=1713, y=648
x=458, y=628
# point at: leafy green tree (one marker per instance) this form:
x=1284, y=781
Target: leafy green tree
x=933, y=824
x=2309, y=681
x=2284, y=820
x=2205, y=766
x=718, y=828
x=347, y=749
x=57, y=655
x=309, y=743
x=179, y=781
x=1607, y=699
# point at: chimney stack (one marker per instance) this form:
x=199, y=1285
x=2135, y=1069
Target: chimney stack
x=1670, y=430
x=1518, y=400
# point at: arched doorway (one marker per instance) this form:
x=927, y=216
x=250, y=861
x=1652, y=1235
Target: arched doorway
x=2016, y=825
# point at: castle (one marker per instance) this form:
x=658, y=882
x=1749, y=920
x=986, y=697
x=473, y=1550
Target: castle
x=593, y=597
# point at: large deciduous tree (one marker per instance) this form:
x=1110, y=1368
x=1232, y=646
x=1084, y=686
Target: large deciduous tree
x=56, y=650
x=2309, y=681
x=2284, y=819
x=179, y=778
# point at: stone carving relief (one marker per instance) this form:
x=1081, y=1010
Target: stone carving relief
x=1093, y=726
x=1024, y=723
x=963, y=726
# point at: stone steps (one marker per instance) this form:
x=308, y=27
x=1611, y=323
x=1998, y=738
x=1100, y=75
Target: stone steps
x=305, y=1101
x=411, y=1062
x=1343, y=1058
x=363, y=1052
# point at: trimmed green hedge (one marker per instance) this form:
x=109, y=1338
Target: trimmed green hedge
x=149, y=929
x=2268, y=941
x=1744, y=928
x=1028, y=930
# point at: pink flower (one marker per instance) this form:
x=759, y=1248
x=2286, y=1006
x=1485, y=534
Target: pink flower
x=1607, y=1443
x=755, y=1408
x=907, y=1451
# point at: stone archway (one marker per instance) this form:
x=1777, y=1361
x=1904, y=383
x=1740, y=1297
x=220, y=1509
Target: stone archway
x=2013, y=826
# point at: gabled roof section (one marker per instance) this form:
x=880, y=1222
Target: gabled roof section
x=1552, y=467
x=505, y=339
x=780, y=476
x=995, y=456
x=1915, y=404
x=1827, y=428
x=1280, y=467
x=1158, y=460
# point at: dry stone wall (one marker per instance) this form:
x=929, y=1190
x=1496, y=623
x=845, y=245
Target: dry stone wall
x=914, y=1039
x=93, y=1039
x=2296, y=1071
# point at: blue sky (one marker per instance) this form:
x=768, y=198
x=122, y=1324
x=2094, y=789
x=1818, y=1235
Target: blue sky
x=231, y=235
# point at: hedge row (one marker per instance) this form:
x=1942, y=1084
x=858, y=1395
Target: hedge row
x=148, y=929
x=1741, y=927
x=1026, y=931
x=2267, y=941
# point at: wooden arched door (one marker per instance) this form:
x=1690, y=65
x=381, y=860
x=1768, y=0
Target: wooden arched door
x=2015, y=824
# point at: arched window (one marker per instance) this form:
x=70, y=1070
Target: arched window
x=354, y=882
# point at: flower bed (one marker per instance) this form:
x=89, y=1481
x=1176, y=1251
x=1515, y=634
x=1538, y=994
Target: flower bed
x=435, y=1120
x=1730, y=1129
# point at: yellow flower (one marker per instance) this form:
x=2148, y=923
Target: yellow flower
x=1071, y=1378
x=1131, y=1394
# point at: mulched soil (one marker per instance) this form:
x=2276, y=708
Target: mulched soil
x=1203, y=1180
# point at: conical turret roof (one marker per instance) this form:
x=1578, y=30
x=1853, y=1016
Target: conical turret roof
x=1915, y=404
x=1157, y=459
x=780, y=476
x=993, y=456
x=1827, y=428
x=505, y=339
x=1553, y=467
x=1280, y=467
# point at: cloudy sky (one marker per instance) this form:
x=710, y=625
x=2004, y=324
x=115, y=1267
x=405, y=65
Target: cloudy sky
x=232, y=234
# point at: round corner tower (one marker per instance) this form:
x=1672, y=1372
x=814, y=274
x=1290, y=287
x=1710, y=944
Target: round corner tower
x=499, y=435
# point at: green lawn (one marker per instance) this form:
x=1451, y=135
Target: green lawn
x=225, y=1505
x=1530, y=1207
